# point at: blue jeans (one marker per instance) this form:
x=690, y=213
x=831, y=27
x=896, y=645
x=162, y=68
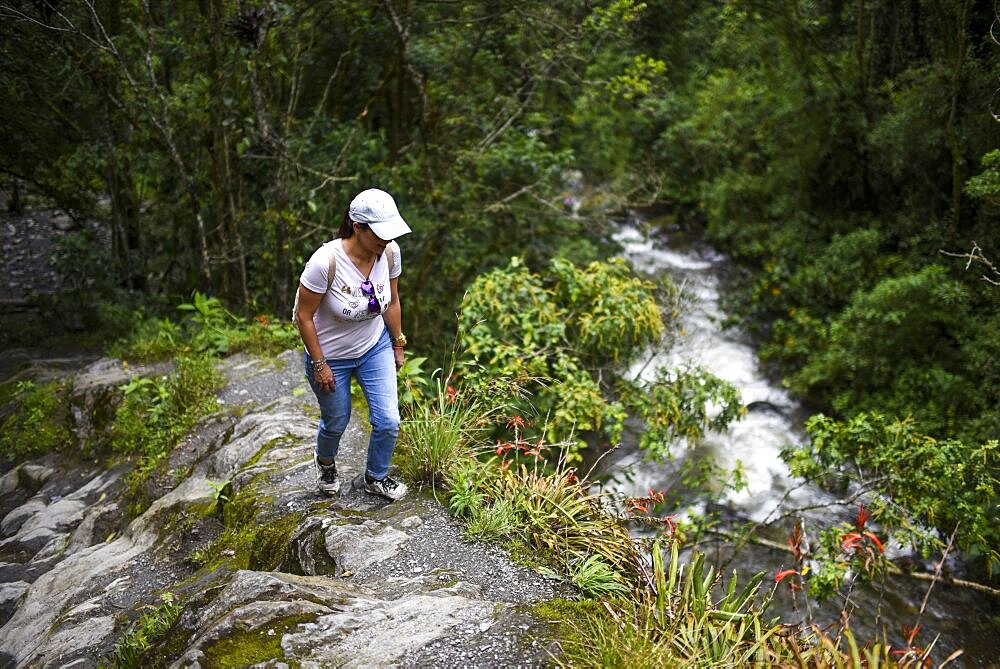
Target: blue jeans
x=376, y=372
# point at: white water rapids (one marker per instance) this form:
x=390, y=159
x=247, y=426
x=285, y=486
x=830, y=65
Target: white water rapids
x=754, y=444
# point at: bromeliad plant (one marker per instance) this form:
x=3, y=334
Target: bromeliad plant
x=677, y=618
x=440, y=432
x=551, y=512
x=684, y=616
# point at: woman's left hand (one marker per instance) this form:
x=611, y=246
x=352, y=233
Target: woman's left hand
x=398, y=353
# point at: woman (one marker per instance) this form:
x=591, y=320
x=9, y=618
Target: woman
x=351, y=325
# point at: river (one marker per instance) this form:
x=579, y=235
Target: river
x=963, y=618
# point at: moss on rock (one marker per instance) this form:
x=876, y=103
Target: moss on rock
x=245, y=648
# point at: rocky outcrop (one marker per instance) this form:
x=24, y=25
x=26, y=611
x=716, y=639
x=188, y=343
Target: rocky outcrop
x=265, y=571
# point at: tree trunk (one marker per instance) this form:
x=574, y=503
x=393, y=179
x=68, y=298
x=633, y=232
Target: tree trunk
x=15, y=206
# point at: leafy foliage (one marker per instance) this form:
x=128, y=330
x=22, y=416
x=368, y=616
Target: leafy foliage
x=548, y=332
x=151, y=627
x=38, y=422
x=683, y=403
x=207, y=328
x=155, y=413
x=945, y=485
x=899, y=318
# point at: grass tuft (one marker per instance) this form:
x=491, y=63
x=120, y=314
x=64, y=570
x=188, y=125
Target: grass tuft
x=143, y=634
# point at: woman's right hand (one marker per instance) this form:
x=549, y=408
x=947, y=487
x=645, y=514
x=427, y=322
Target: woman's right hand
x=324, y=379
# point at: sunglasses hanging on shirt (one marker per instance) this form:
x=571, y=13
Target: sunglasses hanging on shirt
x=368, y=289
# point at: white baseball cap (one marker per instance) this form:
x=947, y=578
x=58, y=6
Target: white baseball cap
x=376, y=209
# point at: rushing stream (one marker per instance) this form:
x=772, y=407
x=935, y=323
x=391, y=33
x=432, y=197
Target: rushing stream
x=963, y=618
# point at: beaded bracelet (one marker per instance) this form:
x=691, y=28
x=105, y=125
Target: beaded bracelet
x=318, y=365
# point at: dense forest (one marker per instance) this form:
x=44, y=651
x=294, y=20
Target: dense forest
x=845, y=155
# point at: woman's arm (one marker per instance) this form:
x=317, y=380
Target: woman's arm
x=393, y=317
x=308, y=304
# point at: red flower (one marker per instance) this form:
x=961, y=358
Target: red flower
x=516, y=421
x=636, y=504
x=671, y=526
x=795, y=543
x=782, y=575
x=261, y=318
x=851, y=540
x=856, y=541
x=878, y=543
x=502, y=448
x=452, y=394
x=910, y=633
x=862, y=517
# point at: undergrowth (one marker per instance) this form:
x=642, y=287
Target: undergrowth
x=653, y=609
x=38, y=421
x=156, y=413
x=152, y=626
x=205, y=328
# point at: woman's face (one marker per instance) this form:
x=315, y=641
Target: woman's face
x=369, y=240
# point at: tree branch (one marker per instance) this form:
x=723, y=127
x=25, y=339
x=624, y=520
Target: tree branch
x=976, y=256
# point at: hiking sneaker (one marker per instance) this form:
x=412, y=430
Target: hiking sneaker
x=327, y=481
x=387, y=487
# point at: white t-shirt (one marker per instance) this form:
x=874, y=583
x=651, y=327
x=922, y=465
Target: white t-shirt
x=346, y=328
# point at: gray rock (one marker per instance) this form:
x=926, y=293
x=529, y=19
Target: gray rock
x=282, y=422
x=307, y=550
x=409, y=586
x=63, y=514
x=83, y=536
x=9, y=481
x=35, y=474
x=30, y=634
x=13, y=521
x=96, y=395
x=11, y=595
x=376, y=632
x=355, y=547
x=71, y=641
x=54, y=548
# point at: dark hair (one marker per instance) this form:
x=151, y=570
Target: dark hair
x=346, y=226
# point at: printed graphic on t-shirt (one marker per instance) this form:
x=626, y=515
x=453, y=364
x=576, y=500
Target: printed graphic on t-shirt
x=355, y=307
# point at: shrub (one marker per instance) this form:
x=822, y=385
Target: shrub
x=551, y=333
x=922, y=481
x=39, y=421
x=155, y=414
